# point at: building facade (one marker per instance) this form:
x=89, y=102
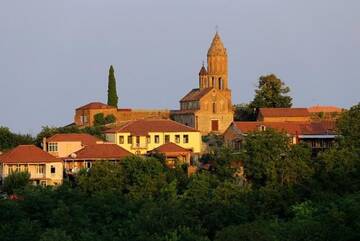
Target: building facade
x=44, y=169
x=209, y=107
x=141, y=136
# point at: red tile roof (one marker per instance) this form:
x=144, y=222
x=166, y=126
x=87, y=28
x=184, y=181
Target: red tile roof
x=284, y=112
x=325, y=109
x=144, y=126
x=196, y=94
x=27, y=154
x=100, y=152
x=293, y=128
x=85, y=139
x=171, y=148
x=95, y=105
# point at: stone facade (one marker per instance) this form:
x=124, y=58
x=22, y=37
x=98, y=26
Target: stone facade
x=209, y=107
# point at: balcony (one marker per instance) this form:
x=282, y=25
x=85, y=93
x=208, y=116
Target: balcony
x=139, y=146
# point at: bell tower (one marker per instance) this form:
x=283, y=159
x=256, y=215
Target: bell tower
x=217, y=72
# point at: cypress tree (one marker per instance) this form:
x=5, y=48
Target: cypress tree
x=112, y=95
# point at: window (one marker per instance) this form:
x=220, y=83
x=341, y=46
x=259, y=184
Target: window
x=220, y=84
x=84, y=119
x=213, y=82
x=167, y=138
x=52, y=147
x=177, y=138
x=129, y=139
x=156, y=139
x=52, y=170
x=121, y=139
x=40, y=169
x=186, y=138
x=262, y=128
x=148, y=139
x=138, y=140
x=214, y=107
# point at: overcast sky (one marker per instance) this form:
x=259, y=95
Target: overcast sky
x=55, y=55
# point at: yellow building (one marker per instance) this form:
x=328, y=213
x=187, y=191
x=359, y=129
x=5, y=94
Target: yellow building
x=62, y=145
x=209, y=108
x=44, y=168
x=142, y=136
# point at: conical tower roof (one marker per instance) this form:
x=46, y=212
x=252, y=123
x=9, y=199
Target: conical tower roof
x=217, y=47
x=203, y=71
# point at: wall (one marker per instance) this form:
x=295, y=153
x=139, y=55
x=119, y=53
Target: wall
x=66, y=148
x=144, y=147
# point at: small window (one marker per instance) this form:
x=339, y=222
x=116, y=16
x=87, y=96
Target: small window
x=156, y=139
x=52, y=170
x=129, y=139
x=52, y=147
x=138, y=140
x=121, y=139
x=167, y=138
x=148, y=139
x=40, y=169
x=177, y=138
x=214, y=107
x=263, y=128
x=186, y=138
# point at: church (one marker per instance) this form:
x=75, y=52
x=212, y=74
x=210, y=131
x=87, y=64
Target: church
x=209, y=108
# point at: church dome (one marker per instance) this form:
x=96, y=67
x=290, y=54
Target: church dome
x=217, y=47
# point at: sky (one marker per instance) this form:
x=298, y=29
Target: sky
x=55, y=55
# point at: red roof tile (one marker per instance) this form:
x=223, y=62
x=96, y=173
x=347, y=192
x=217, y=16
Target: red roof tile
x=325, y=109
x=284, y=112
x=144, y=126
x=85, y=139
x=27, y=154
x=100, y=151
x=171, y=148
x=196, y=94
x=293, y=128
x=95, y=105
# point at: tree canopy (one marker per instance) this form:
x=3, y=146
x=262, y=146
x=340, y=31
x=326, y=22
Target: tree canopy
x=112, y=94
x=271, y=92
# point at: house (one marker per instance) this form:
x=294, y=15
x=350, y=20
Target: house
x=319, y=112
x=318, y=135
x=62, y=145
x=141, y=136
x=85, y=157
x=283, y=114
x=44, y=168
x=84, y=115
x=173, y=153
x=209, y=108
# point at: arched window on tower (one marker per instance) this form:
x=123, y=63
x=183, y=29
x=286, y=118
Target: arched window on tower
x=213, y=82
x=221, y=84
x=214, y=107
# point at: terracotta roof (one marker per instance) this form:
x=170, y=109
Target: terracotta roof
x=196, y=94
x=284, y=112
x=85, y=139
x=144, y=126
x=171, y=148
x=293, y=128
x=27, y=154
x=217, y=47
x=95, y=105
x=100, y=151
x=203, y=71
x=325, y=109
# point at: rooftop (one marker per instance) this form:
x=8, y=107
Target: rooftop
x=85, y=139
x=284, y=112
x=95, y=105
x=27, y=154
x=195, y=94
x=144, y=126
x=100, y=151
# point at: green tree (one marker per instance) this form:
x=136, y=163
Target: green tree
x=348, y=126
x=55, y=235
x=270, y=159
x=112, y=95
x=15, y=181
x=243, y=112
x=110, y=119
x=99, y=119
x=271, y=92
x=10, y=140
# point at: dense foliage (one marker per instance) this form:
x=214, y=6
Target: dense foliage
x=286, y=196
x=9, y=140
x=112, y=94
x=100, y=119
